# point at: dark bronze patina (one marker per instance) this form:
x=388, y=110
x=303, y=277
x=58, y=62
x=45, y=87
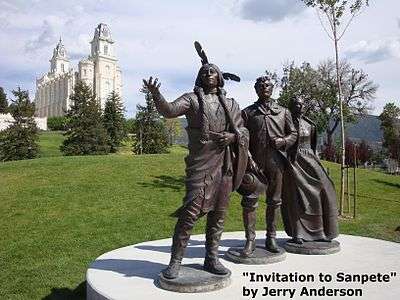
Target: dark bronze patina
x=217, y=159
x=272, y=132
x=309, y=206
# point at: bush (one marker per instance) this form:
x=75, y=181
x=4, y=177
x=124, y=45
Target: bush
x=57, y=123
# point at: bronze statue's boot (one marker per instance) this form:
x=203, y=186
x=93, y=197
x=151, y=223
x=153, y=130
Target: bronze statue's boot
x=271, y=216
x=172, y=271
x=180, y=240
x=177, y=250
x=215, y=227
x=271, y=245
x=249, y=221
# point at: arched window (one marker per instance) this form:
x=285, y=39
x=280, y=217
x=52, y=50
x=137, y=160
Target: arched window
x=106, y=49
x=62, y=68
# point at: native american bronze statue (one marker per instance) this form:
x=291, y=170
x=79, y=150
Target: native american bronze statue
x=272, y=132
x=217, y=159
x=309, y=206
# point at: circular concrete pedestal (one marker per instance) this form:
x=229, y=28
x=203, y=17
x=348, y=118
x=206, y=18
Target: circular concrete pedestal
x=313, y=248
x=193, y=279
x=260, y=256
x=132, y=272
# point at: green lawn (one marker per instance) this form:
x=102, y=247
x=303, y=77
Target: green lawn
x=60, y=213
x=50, y=142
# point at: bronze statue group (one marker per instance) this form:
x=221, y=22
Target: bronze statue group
x=262, y=149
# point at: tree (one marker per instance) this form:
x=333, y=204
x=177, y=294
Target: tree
x=364, y=152
x=335, y=11
x=113, y=121
x=129, y=126
x=151, y=135
x=3, y=102
x=317, y=86
x=174, y=129
x=390, y=124
x=19, y=140
x=85, y=133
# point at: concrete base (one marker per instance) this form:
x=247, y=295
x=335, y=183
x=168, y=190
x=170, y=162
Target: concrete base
x=193, y=279
x=313, y=248
x=132, y=272
x=260, y=256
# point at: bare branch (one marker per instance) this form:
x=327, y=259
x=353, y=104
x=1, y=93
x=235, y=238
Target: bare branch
x=329, y=17
x=323, y=25
x=353, y=15
x=346, y=27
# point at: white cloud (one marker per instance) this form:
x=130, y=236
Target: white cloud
x=44, y=39
x=375, y=50
x=269, y=11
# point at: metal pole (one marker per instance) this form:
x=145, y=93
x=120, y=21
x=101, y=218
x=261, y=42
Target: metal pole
x=347, y=188
x=141, y=141
x=355, y=183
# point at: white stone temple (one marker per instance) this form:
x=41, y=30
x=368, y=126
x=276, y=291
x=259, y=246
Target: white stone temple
x=100, y=71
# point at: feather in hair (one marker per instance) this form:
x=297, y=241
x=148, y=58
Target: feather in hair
x=201, y=53
x=230, y=76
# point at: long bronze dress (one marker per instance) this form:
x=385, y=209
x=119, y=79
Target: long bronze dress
x=309, y=207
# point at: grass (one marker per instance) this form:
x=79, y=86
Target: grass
x=50, y=142
x=60, y=213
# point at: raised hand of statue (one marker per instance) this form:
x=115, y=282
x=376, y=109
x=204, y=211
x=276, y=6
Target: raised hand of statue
x=153, y=87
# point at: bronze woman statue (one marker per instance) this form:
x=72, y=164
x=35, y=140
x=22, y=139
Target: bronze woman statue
x=218, y=145
x=309, y=207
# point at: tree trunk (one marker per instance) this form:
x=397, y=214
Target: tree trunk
x=339, y=86
x=329, y=138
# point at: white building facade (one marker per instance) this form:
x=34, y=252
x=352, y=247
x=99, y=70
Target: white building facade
x=100, y=71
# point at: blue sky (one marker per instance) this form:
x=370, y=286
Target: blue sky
x=245, y=37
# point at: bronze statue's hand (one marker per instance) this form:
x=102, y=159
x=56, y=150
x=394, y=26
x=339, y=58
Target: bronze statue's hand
x=226, y=139
x=279, y=143
x=153, y=87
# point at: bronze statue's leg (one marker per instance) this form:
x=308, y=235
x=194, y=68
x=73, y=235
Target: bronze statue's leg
x=215, y=227
x=249, y=215
x=271, y=216
x=183, y=229
x=274, y=201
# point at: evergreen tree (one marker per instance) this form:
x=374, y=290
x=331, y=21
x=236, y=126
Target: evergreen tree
x=3, y=102
x=173, y=128
x=390, y=125
x=151, y=135
x=85, y=133
x=113, y=121
x=19, y=140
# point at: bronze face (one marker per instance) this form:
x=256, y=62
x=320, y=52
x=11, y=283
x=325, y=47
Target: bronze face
x=298, y=105
x=264, y=89
x=209, y=77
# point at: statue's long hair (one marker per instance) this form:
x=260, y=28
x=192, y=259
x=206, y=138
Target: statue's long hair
x=199, y=91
